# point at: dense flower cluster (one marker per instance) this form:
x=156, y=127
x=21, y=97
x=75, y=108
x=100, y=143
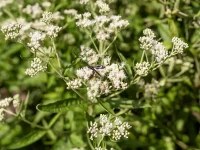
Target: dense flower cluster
x=157, y=49
x=36, y=66
x=4, y=103
x=11, y=30
x=142, y=68
x=151, y=89
x=115, y=129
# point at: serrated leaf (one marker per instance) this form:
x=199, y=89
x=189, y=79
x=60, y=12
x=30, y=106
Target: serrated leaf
x=60, y=106
x=128, y=68
x=28, y=139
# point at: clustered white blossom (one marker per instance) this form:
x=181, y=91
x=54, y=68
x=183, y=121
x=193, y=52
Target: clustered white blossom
x=178, y=45
x=4, y=3
x=11, y=30
x=114, y=129
x=103, y=7
x=96, y=86
x=4, y=103
x=151, y=89
x=89, y=55
x=36, y=38
x=52, y=30
x=102, y=25
x=142, y=68
x=33, y=10
x=74, y=84
x=36, y=67
x=47, y=17
x=157, y=49
x=72, y=12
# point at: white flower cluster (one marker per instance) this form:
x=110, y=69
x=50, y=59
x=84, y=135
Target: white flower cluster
x=36, y=67
x=72, y=12
x=84, y=73
x=11, y=30
x=93, y=77
x=151, y=89
x=97, y=87
x=46, y=4
x=103, y=7
x=74, y=84
x=33, y=10
x=52, y=30
x=178, y=45
x=4, y=3
x=142, y=68
x=36, y=38
x=156, y=48
x=115, y=129
x=47, y=17
x=102, y=25
x=89, y=55
x=6, y=102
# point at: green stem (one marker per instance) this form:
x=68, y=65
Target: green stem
x=57, y=56
x=110, y=44
x=23, y=119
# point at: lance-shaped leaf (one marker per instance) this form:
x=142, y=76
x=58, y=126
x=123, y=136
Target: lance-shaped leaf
x=61, y=106
x=127, y=103
x=30, y=138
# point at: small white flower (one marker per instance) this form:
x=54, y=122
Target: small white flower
x=52, y=30
x=33, y=10
x=16, y=100
x=6, y=102
x=93, y=130
x=103, y=7
x=84, y=73
x=11, y=30
x=47, y=17
x=36, y=37
x=178, y=45
x=72, y=12
x=74, y=84
x=36, y=67
x=142, y=68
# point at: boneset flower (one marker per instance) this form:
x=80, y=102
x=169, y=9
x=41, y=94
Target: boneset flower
x=178, y=45
x=36, y=67
x=33, y=10
x=142, y=68
x=11, y=30
x=105, y=127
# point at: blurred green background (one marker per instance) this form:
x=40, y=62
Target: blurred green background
x=173, y=121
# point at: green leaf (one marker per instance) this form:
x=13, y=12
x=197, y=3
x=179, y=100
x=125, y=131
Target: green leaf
x=127, y=103
x=164, y=32
x=28, y=139
x=107, y=107
x=127, y=66
x=173, y=28
x=60, y=106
